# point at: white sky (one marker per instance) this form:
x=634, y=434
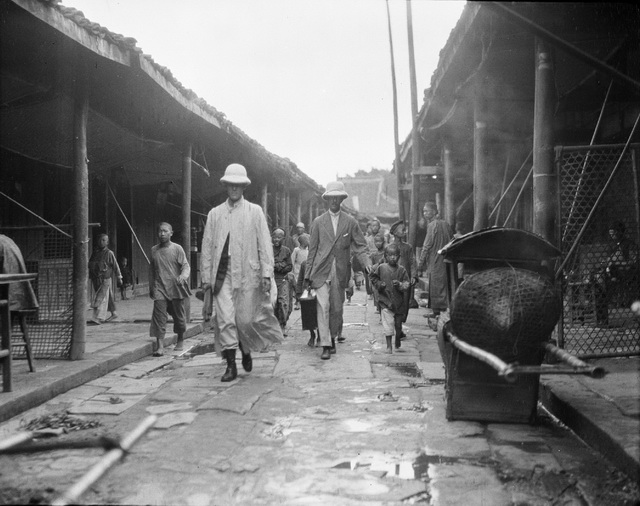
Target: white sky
x=310, y=80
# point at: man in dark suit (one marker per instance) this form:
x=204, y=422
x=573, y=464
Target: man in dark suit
x=334, y=237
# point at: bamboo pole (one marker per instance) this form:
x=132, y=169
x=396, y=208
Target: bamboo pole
x=72, y=495
x=396, y=141
x=129, y=224
x=490, y=359
x=415, y=136
x=504, y=193
x=573, y=361
x=585, y=163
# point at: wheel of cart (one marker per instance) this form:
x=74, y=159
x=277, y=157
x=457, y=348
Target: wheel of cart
x=503, y=307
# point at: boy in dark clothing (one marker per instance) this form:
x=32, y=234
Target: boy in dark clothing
x=391, y=281
x=281, y=267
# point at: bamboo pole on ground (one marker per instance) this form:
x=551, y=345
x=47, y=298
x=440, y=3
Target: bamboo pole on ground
x=72, y=495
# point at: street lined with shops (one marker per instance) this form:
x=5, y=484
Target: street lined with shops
x=364, y=427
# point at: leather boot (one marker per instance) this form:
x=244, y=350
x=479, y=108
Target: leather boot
x=326, y=353
x=247, y=361
x=232, y=372
x=398, y=341
x=389, y=346
x=332, y=350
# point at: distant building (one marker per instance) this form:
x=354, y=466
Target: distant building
x=374, y=195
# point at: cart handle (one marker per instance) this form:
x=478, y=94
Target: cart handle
x=502, y=367
x=569, y=359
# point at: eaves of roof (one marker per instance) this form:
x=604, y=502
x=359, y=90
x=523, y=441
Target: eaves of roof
x=124, y=50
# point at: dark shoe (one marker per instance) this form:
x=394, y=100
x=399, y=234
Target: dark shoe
x=326, y=353
x=232, y=372
x=332, y=350
x=247, y=361
x=341, y=339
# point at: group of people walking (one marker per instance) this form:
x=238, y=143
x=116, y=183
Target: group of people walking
x=255, y=276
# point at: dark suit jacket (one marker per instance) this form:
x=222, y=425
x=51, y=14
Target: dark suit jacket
x=324, y=246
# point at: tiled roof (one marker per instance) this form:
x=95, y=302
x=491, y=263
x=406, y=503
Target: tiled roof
x=130, y=44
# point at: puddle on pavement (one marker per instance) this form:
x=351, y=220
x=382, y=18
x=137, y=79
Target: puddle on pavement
x=405, y=469
x=410, y=370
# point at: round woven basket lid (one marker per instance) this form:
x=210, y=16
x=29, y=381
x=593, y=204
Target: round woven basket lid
x=506, y=311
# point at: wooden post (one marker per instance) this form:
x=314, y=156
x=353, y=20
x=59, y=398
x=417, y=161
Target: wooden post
x=282, y=207
x=449, y=212
x=80, y=215
x=264, y=199
x=287, y=211
x=480, y=168
x=186, y=215
x=544, y=174
x=299, y=208
x=415, y=136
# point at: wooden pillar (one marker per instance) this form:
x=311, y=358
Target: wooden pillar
x=299, y=209
x=186, y=215
x=480, y=166
x=544, y=174
x=264, y=199
x=186, y=199
x=311, y=215
x=449, y=211
x=282, y=208
x=287, y=210
x=80, y=216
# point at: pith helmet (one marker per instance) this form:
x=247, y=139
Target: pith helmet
x=335, y=189
x=235, y=174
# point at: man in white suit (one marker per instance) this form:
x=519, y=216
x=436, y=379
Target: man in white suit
x=334, y=237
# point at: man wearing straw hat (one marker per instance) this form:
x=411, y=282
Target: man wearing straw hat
x=237, y=264
x=334, y=237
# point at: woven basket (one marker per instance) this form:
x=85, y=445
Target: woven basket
x=507, y=312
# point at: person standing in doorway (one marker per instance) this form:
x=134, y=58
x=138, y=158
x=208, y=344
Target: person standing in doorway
x=334, y=237
x=169, y=273
x=102, y=266
x=237, y=264
x=438, y=235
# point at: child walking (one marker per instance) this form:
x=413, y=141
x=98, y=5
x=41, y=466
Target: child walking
x=376, y=258
x=391, y=281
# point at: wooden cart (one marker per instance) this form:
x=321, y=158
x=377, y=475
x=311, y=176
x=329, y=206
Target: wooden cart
x=480, y=385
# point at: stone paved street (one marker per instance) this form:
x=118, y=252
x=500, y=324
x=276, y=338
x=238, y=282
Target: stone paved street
x=362, y=428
